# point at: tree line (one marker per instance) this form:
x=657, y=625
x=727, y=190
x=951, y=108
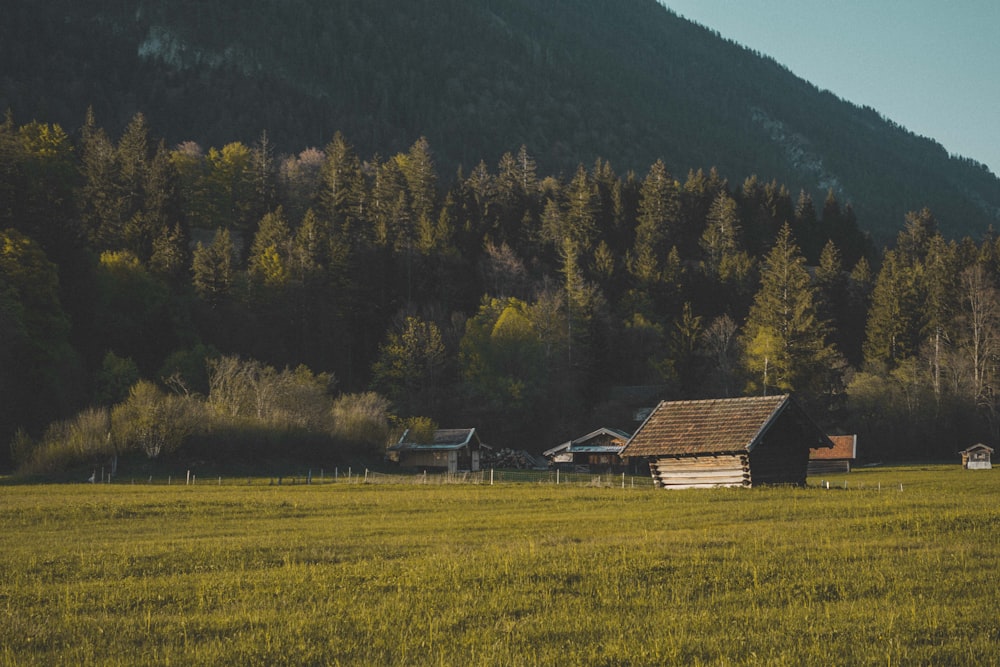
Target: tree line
x=132, y=273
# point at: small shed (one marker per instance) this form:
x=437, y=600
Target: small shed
x=599, y=450
x=727, y=442
x=452, y=449
x=838, y=459
x=977, y=457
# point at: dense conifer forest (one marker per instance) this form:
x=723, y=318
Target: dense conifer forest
x=235, y=302
x=571, y=79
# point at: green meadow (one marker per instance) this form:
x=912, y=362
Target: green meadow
x=899, y=568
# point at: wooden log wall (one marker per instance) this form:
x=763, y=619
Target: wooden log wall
x=700, y=472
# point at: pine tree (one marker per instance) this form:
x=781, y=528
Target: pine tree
x=270, y=260
x=580, y=215
x=341, y=191
x=102, y=206
x=893, y=330
x=417, y=167
x=659, y=210
x=722, y=232
x=213, y=271
x=785, y=339
x=807, y=228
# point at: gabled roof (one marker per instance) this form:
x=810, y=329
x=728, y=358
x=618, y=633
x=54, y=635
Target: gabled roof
x=977, y=447
x=581, y=446
x=558, y=449
x=844, y=447
x=445, y=439
x=719, y=426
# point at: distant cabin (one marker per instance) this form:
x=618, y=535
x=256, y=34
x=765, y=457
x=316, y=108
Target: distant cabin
x=451, y=450
x=598, y=451
x=977, y=457
x=727, y=442
x=839, y=458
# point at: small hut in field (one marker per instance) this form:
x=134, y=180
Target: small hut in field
x=977, y=457
x=727, y=442
x=598, y=451
x=451, y=450
x=827, y=460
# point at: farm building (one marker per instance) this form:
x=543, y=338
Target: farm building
x=977, y=457
x=452, y=449
x=826, y=460
x=727, y=442
x=597, y=451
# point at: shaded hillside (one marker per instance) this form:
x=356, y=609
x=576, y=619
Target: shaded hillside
x=572, y=80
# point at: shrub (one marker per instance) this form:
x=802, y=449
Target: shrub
x=361, y=419
x=83, y=439
x=152, y=421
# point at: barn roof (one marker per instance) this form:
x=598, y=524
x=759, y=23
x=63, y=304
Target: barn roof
x=582, y=445
x=717, y=426
x=977, y=447
x=444, y=439
x=844, y=447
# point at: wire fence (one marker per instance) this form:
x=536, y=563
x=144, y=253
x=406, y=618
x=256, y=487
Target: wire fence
x=350, y=476
x=494, y=477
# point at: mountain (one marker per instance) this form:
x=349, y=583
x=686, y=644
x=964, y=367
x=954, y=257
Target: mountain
x=573, y=80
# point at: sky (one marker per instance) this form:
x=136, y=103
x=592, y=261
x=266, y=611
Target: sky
x=931, y=66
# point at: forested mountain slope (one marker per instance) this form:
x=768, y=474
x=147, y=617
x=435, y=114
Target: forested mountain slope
x=573, y=80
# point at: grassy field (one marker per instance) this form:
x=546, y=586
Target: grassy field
x=514, y=574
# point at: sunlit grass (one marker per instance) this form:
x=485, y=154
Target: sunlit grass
x=505, y=574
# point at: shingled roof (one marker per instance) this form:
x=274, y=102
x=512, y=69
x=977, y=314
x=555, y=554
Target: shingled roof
x=444, y=439
x=844, y=447
x=719, y=426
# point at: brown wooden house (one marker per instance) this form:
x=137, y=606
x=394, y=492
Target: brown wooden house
x=598, y=451
x=451, y=450
x=836, y=459
x=977, y=457
x=727, y=442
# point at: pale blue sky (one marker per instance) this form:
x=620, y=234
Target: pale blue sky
x=932, y=67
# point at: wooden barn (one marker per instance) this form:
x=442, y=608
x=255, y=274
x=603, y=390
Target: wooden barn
x=452, y=449
x=827, y=460
x=727, y=442
x=977, y=457
x=598, y=451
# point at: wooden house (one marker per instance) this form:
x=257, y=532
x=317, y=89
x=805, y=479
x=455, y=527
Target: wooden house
x=830, y=460
x=727, y=442
x=977, y=457
x=598, y=451
x=451, y=450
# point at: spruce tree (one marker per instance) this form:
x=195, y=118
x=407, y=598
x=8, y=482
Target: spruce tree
x=785, y=339
x=213, y=268
x=659, y=209
x=893, y=330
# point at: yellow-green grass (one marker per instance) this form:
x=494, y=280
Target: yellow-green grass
x=515, y=574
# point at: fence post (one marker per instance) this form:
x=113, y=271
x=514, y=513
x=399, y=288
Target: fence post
x=188, y=483
x=623, y=480
x=557, y=476
x=491, y=476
